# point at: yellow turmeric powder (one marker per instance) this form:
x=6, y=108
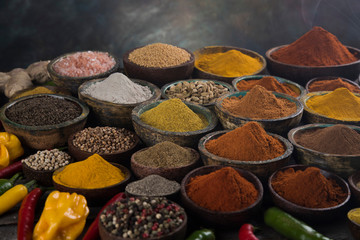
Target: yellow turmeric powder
x=34, y=91
x=173, y=115
x=354, y=215
x=232, y=63
x=93, y=172
x=340, y=104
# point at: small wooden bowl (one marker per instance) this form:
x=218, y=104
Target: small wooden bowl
x=96, y=195
x=302, y=74
x=47, y=136
x=292, y=85
x=343, y=165
x=198, y=73
x=175, y=173
x=305, y=213
x=121, y=157
x=224, y=219
x=151, y=136
x=156, y=75
x=262, y=169
x=308, y=84
x=354, y=227
x=355, y=191
x=278, y=125
x=114, y=114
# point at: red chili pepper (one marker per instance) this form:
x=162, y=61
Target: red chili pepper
x=246, y=232
x=11, y=170
x=26, y=215
x=93, y=231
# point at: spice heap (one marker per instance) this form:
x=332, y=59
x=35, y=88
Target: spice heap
x=84, y=64
x=34, y=91
x=224, y=190
x=259, y=103
x=93, y=172
x=153, y=186
x=340, y=104
x=165, y=155
x=269, y=83
x=354, y=215
x=308, y=188
x=331, y=85
x=249, y=142
x=47, y=160
x=174, y=116
x=159, y=55
x=232, y=63
x=118, y=88
x=104, y=140
x=201, y=92
x=142, y=218
x=337, y=139
x=44, y=110
x=317, y=47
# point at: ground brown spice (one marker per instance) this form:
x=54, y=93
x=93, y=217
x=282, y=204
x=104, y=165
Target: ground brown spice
x=331, y=85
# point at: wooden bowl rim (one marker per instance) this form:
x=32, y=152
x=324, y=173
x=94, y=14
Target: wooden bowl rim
x=351, y=181
x=316, y=79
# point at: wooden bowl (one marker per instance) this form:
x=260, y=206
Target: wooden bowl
x=308, y=84
x=121, y=157
x=96, y=195
x=114, y=114
x=151, y=136
x=355, y=191
x=310, y=214
x=198, y=73
x=47, y=136
x=302, y=74
x=354, y=227
x=174, y=173
x=262, y=169
x=343, y=165
x=292, y=85
x=224, y=219
x=278, y=125
x=177, y=234
x=73, y=83
x=156, y=75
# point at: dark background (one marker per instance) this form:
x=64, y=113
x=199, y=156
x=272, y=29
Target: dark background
x=44, y=29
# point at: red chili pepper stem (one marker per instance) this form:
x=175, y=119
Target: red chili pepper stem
x=29, y=184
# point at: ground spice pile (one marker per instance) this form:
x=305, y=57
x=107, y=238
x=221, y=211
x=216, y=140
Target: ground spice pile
x=317, y=47
x=224, y=190
x=308, y=188
x=268, y=82
x=337, y=139
x=259, y=103
x=331, y=85
x=249, y=142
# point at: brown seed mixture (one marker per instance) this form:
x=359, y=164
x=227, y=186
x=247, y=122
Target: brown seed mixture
x=159, y=55
x=104, y=140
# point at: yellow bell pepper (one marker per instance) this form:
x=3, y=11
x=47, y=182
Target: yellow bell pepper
x=13, y=146
x=63, y=217
x=4, y=156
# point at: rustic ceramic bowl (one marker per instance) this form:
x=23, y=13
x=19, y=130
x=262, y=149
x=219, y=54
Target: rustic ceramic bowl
x=151, y=136
x=199, y=73
x=114, y=114
x=47, y=136
x=96, y=195
x=292, y=85
x=343, y=165
x=354, y=227
x=156, y=75
x=355, y=191
x=177, y=234
x=308, y=84
x=262, y=169
x=121, y=157
x=305, y=213
x=175, y=173
x=73, y=83
x=278, y=125
x=208, y=105
x=302, y=74
x=224, y=219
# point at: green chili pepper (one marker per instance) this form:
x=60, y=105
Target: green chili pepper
x=6, y=184
x=203, y=234
x=289, y=226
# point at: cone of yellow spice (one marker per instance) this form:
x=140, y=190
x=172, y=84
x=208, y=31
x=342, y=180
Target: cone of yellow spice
x=174, y=116
x=340, y=104
x=93, y=172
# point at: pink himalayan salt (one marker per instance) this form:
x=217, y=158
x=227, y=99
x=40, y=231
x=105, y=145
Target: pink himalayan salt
x=84, y=64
